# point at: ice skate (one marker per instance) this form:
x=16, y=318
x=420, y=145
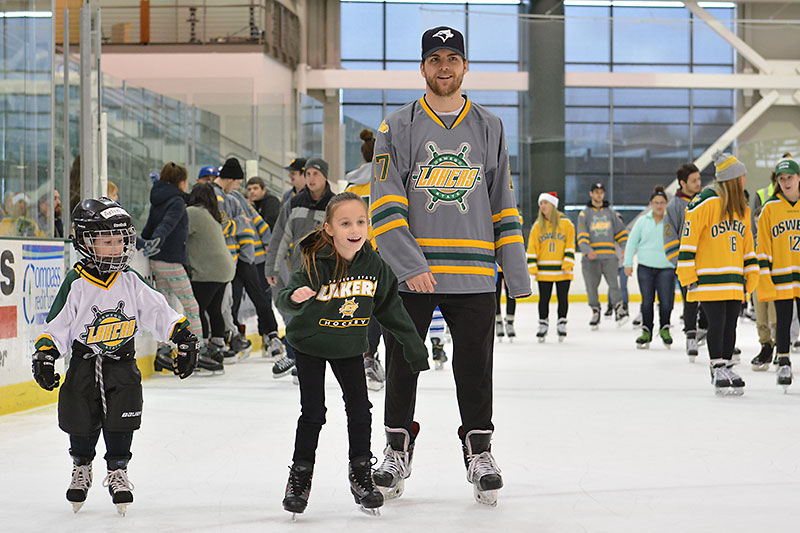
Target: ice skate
x=81, y=482
x=482, y=471
x=621, y=315
x=499, y=332
x=241, y=345
x=666, y=338
x=720, y=380
x=208, y=360
x=796, y=346
x=439, y=357
x=691, y=345
x=510, y=331
x=374, y=371
x=784, y=374
x=701, y=336
x=362, y=486
x=737, y=383
x=272, y=349
x=543, y=327
x=296, y=378
x=736, y=356
x=163, y=360
x=298, y=488
x=396, y=467
x=561, y=328
x=609, y=311
x=643, y=342
x=638, y=320
x=283, y=367
x=595, y=321
x=120, y=488
x=761, y=362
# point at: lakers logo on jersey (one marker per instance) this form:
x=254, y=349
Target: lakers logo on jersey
x=348, y=308
x=110, y=329
x=448, y=177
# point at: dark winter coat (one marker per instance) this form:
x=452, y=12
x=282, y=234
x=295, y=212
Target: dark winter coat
x=169, y=222
x=269, y=207
x=333, y=324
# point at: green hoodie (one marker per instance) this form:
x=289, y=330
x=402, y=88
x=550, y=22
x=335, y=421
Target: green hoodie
x=333, y=324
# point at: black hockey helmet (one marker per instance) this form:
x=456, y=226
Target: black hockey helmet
x=103, y=218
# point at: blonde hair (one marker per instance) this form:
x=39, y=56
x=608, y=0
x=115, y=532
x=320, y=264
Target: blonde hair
x=321, y=239
x=555, y=218
x=112, y=188
x=734, y=202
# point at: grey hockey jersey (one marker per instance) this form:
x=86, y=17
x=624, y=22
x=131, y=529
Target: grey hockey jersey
x=442, y=200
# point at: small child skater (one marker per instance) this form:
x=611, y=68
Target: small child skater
x=341, y=284
x=100, y=307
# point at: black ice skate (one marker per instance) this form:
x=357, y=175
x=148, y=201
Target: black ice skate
x=691, y=345
x=163, y=360
x=362, y=487
x=595, y=321
x=241, y=345
x=761, y=362
x=396, y=467
x=482, y=471
x=373, y=368
x=439, y=357
x=120, y=488
x=621, y=315
x=498, y=328
x=511, y=333
x=561, y=329
x=209, y=360
x=298, y=488
x=784, y=374
x=541, y=335
x=81, y=482
x=283, y=367
x=272, y=349
x=726, y=382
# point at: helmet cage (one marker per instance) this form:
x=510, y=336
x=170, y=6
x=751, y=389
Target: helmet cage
x=86, y=241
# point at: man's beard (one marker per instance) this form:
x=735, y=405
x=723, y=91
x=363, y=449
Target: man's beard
x=431, y=82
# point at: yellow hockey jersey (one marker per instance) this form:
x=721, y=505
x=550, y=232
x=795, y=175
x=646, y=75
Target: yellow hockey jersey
x=716, y=254
x=551, y=254
x=779, y=249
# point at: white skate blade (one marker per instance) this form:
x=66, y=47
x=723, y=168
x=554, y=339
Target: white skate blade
x=763, y=367
x=729, y=391
x=644, y=346
x=541, y=339
x=202, y=372
x=374, y=385
x=76, y=506
x=375, y=511
x=244, y=354
x=390, y=493
x=486, y=497
x=438, y=365
x=669, y=346
x=785, y=389
x=595, y=327
x=692, y=358
x=122, y=508
x=511, y=339
x=561, y=338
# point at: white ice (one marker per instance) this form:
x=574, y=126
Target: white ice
x=592, y=435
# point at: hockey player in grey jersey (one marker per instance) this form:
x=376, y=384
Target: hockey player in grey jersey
x=443, y=212
x=99, y=309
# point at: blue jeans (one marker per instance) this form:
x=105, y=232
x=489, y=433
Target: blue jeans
x=652, y=281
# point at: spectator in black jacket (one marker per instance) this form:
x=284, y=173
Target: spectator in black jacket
x=267, y=204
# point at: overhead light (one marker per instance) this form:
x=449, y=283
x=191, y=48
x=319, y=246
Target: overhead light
x=25, y=14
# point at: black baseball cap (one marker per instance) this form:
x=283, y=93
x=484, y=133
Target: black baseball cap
x=298, y=164
x=442, y=37
x=598, y=185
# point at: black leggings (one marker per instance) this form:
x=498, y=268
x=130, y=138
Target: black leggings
x=118, y=447
x=349, y=373
x=247, y=279
x=546, y=291
x=209, y=298
x=511, y=303
x=783, y=315
x=722, y=317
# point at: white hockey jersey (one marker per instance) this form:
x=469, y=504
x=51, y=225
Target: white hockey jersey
x=105, y=315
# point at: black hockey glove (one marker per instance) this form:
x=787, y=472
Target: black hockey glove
x=184, y=364
x=44, y=370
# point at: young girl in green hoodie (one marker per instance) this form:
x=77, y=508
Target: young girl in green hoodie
x=341, y=286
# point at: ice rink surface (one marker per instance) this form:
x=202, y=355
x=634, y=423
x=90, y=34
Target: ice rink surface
x=591, y=435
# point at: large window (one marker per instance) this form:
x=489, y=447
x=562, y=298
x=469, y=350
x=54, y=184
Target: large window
x=634, y=139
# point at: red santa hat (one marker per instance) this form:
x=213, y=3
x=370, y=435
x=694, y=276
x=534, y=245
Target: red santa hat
x=551, y=197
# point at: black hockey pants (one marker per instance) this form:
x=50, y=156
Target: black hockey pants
x=471, y=321
x=247, y=278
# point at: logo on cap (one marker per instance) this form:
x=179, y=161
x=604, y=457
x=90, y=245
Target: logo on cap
x=443, y=35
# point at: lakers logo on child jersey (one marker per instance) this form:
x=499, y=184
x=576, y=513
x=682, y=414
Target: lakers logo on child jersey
x=110, y=329
x=348, y=308
x=448, y=177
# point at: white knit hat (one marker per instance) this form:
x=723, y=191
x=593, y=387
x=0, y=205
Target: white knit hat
x=551, y=197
